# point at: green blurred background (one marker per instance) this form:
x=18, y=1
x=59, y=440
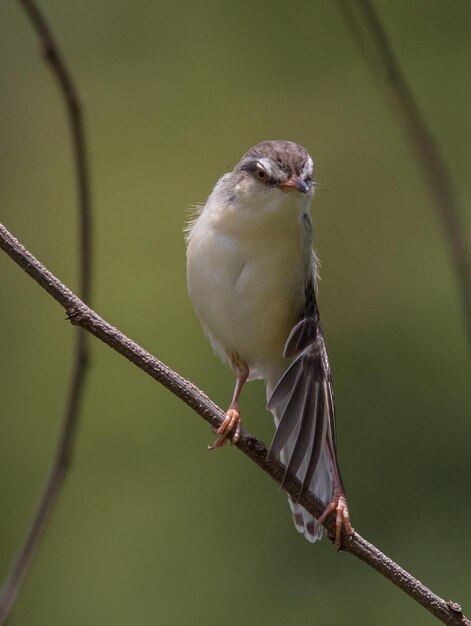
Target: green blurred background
x=151, y=528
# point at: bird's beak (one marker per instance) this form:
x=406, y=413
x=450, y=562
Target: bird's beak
x=295, y=182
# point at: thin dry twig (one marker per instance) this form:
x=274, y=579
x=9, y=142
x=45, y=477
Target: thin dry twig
x=61, y=462
x=80, y=314
x=378, y=53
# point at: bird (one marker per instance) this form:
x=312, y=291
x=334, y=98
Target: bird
x=252, y=279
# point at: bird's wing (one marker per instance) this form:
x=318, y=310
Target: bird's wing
x=304, y=396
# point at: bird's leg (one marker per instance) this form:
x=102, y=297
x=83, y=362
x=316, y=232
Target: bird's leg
x=338, y=502
x=232, y=421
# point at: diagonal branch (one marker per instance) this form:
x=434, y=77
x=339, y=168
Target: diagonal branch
x=378, y=53
x=81, y=315
x=18, y=571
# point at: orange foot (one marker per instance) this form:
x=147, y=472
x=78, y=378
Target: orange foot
x=342, y=520
x=231, y=422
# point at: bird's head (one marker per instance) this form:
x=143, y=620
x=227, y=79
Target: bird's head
x=275, y=172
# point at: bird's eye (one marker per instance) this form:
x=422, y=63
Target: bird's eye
x=260, y=173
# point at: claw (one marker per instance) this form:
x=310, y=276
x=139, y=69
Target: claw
x=230, y=422
x=236, y=436
x=342, y=518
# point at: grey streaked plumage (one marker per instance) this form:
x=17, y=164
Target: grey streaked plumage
x=290, y=158
x=305, y=390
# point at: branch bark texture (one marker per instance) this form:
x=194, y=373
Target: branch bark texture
x=81, y=315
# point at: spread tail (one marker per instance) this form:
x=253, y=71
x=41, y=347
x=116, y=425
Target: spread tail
x=321, y=482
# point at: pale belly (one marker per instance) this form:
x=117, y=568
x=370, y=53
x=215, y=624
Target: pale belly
x=248, y=297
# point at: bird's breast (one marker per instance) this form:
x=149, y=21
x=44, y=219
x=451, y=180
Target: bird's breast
x=247, y=289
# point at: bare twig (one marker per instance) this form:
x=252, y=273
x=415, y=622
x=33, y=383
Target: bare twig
x=63, y=452
x=81, y=315
x=373, y=43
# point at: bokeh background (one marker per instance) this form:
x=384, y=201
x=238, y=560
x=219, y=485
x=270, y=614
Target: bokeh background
x=151, y=528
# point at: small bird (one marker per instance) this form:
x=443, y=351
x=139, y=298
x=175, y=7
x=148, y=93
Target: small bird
x=252, y=280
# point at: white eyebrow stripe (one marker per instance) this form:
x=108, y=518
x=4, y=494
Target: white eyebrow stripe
x=267, y=165
x=308, y=168
x=273, y=169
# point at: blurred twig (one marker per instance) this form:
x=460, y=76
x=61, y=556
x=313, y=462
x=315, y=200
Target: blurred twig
x=80, y=314
x=16, y=575
x=371, y=38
